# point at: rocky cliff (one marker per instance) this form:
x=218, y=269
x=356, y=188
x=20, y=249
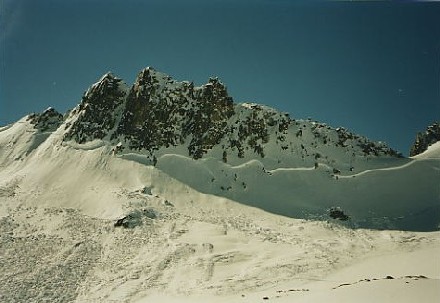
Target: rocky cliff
x=425, y=139
x=158, y=113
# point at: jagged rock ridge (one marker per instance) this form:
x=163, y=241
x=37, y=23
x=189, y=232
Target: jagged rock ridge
x=98, y=111
x=162, y=112
x=424, y=139
x=47, y=121
x=158, y=112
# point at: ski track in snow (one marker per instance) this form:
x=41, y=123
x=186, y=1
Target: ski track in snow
x=368, y=171
x=364, y=172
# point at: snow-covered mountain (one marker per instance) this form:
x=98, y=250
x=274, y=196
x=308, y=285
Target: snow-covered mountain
x=246, y=152
x=157, y=113
x=165, y=190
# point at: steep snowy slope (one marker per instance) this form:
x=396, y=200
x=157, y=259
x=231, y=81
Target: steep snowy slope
x=402, y=196
x=60, y=240
x=18, y=140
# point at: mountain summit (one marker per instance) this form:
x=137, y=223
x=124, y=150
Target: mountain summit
x=158, y=112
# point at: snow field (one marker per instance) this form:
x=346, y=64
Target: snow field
x=58, y=242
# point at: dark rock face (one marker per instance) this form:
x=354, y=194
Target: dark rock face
x=144, y=121
x=136, y=218
x=424, y=139
x=209, y=123
x=161, y=112
x=48, y=121
x=130, y=221
x=337, y=214
x=98, y=110
x=369, y=148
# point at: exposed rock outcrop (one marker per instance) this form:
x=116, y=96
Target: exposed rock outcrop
x=47, y=121
x=158, y=112
x=161, y=112
x=424, y=139
x=100, y=108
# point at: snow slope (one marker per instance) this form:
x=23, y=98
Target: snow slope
x=59, y=203
x=405, y=196
x=433, y=152
x=382, y=192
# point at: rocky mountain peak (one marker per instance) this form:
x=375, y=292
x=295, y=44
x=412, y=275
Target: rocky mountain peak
x=424, y=139
x=98, y=112
x=162, y=112
x=158, y=112
x=144, y=79
x=49, y=120
x=214, y=90
x=104, y=90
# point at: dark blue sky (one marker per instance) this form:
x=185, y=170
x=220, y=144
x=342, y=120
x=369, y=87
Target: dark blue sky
x=372, y=67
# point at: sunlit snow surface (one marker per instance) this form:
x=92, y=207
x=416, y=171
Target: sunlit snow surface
x=59, y=202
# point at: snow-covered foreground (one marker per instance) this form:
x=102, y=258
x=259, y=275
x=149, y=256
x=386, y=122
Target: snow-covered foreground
x=58, y=241
x=208, y=250
x=211, y=250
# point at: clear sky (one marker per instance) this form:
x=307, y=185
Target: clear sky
x=372, y=67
